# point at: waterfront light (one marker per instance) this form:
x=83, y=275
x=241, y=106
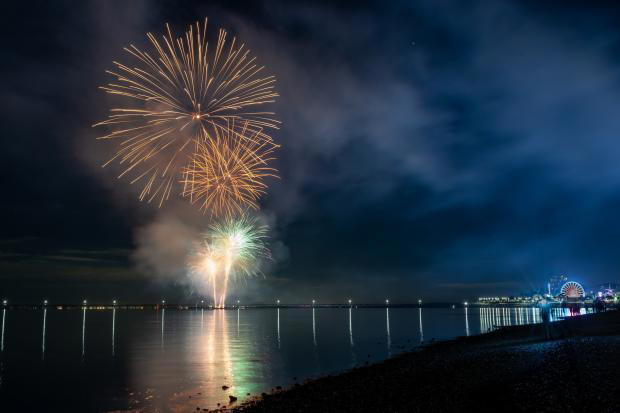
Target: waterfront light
x=4, y=302
x=387, y=301
x=350, y=301
x=466, y=303
x=84, y=302
x=420, y=301
x=278, y=301
x=44, y=302
x=313, y=301
x=113, y=302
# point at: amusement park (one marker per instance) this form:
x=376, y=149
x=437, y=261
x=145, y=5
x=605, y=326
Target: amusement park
x=564, y=292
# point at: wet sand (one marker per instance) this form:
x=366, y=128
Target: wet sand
x=573, y=366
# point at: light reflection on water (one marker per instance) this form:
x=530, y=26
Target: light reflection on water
x=466, y=322
x=156, y=360
x=492, y=318
x=421, y=329
x=3, y=318
x=387, y=324
x=350, y=327
x=43, y=335
x=113, y=324
x=83, y=331
x=313, y=328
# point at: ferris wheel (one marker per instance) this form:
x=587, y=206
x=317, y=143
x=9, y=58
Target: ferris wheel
x=572, y=289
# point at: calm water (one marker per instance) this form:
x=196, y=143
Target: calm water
x=102, y=360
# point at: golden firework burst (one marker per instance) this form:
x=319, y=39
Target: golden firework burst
x=226, y=173
x=179, y=97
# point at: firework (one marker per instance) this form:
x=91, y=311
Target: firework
x=241, y=244
x=178, y=97
x=225, y=175
x=231, y=247
x=203, y=265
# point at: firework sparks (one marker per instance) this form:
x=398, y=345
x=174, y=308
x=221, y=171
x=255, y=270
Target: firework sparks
x=179, y=97
x=241, y=244
x=225, y=175
x=232, y=247
x=203, y=265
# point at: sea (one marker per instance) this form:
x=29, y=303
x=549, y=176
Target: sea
x=172, y=360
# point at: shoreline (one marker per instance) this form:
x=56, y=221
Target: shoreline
x=567, y=365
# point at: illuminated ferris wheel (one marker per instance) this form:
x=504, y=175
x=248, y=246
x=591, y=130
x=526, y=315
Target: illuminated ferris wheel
x=572, y=289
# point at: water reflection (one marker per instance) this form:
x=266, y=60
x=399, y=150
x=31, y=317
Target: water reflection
x=466, y=323
x=43, y=336
x=163, y=316
x=278, y=328
x=350, y=328
x=387, y=324
x=200, y=361
x=113, y=323
x=313, y=328
x=83, y=330
x=219, y=326
x=2, y=340
x=559, y=313
x=493, y=318
x=421, y=329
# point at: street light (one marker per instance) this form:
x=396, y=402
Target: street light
x=420, y=301
x=466, y=303
x=278, y=301
x=387, y=301
x=4, y=302
x=84, y=302
x=350, y=301
x=313, y=301
x=113, y=302
x=44, y=302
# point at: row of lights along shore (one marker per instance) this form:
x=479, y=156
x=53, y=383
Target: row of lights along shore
x=5, y=302
x=163, y=302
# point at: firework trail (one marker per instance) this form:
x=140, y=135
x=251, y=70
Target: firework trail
x=203, y=265
x=178, y=97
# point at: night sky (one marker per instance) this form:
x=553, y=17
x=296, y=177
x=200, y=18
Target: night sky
x=435, y=149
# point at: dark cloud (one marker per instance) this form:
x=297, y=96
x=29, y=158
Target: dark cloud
x=436, y=148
